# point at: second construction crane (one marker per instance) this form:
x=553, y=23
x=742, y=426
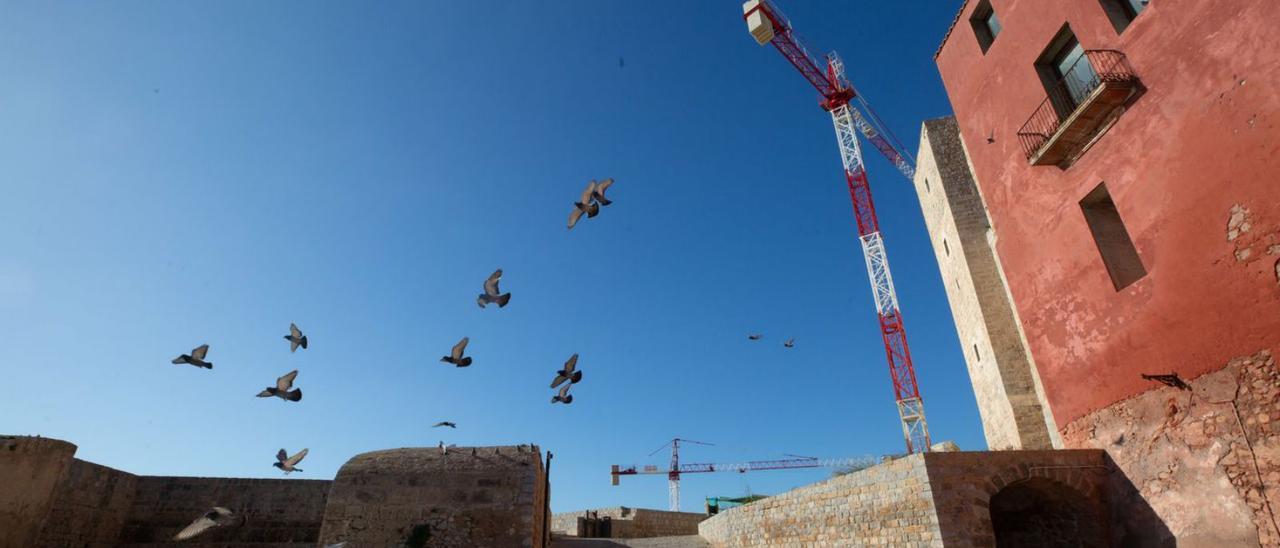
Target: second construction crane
x=676, y=469
x=769, y=26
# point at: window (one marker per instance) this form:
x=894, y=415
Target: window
x=1117, y=250
x=977, y=356
x=1123, y=12
x=1066, y=72
x=926, y=186
x=946, y=247
x=986, y=26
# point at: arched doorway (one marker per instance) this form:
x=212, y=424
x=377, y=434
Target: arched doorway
x=1043, y=513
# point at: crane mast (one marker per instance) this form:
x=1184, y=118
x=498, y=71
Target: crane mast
x=768, y=25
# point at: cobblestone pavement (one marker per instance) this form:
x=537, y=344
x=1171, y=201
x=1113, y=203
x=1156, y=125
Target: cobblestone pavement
x=656, y=542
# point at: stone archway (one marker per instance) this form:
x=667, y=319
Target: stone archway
x=1039, y=512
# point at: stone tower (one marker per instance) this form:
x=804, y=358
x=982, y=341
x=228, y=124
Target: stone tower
x=1010, y=399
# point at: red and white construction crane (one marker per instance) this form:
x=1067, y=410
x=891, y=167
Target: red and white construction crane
x=769, y=26
x=673, y=473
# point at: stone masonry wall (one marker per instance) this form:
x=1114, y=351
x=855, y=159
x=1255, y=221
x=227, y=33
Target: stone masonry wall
x=29, y=471
x=278, y=512
x=1207, y=460
x=465, y=497
x=633, y=522
x=1010, y=400
x=888, y=504
x=963, y=484
x=90, y=506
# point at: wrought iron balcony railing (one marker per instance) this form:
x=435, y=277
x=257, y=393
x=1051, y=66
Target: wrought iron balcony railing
x=1076, y=105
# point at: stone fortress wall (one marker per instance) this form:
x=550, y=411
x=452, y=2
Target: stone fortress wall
x=50, y=499
x=942, y=499
x=626, y=522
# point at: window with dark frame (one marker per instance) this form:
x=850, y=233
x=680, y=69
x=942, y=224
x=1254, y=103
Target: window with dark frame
x=1112, y=238
x=986, y=26
x=1123, y=12
x=1066, y=72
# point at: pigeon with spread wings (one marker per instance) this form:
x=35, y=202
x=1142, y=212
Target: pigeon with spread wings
x=491, y=292
x=569, y=372
x=791, y=343
x=282, y=388
x=455, y=356
x=287, y=463
x=564, y=396
x=196, y=357
x=215, y=517
x=584, y=205
x=445, y=423
x=295, y=338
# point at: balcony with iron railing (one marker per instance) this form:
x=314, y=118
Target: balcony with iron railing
x=1078, y=105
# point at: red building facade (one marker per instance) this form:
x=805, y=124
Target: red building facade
x=1128, y=154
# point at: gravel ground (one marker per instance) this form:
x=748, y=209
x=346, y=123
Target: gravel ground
x=656, y=542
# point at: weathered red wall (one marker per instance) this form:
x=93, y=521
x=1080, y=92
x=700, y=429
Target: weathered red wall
x=1202, y=139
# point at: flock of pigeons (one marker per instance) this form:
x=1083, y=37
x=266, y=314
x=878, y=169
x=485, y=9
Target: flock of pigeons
x=789, y=343
x=590, y=202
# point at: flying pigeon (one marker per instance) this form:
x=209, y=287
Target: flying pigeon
x=215, y=517
x=296, y=338
x=568, y=373
x=445, y=423
x=288, y=463
x=491, y=292
x=791, y=343
x=196, y=357
x=598, y=193
x=281, y=389
x=455, y=355
x=754, y=336
x=564, y=396
x=584, y=205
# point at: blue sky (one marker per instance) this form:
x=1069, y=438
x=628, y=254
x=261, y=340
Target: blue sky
x=183, y=173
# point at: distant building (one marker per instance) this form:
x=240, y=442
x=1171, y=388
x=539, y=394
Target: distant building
x=1117, y=233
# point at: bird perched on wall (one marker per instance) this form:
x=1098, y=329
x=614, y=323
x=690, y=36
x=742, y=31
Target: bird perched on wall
x=445, y=423
x=569, y=373
x=455, y=356
x=295, y=338
x=196, y=357
x=564, y=396
x=791, y=343
x=287, y=463
x=754, y=336
x=585, y=204
x=281, y=389
x=491, y=293
x=338, y=545
x=1171, y=379
x=598, y=193
x=215, y=517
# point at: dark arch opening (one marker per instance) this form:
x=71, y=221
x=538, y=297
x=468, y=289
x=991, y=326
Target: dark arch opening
x=1043, y=513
